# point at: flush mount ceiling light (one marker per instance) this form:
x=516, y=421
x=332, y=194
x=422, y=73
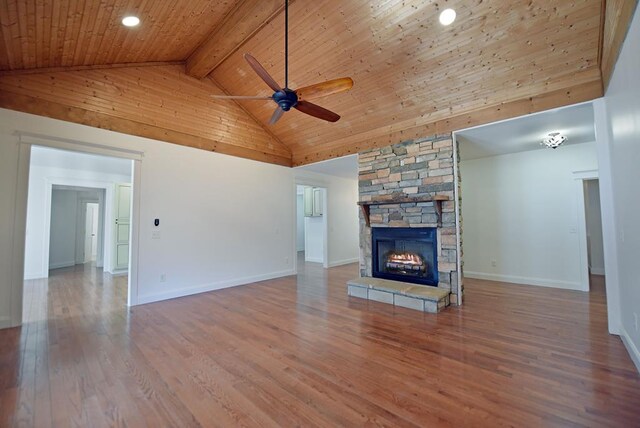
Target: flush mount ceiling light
x=554, y=140
x=130, y=21
x=447, y=16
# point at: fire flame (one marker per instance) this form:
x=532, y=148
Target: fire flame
x=406, y=258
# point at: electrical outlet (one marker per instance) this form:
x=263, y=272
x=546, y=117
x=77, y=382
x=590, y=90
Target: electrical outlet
x=494, y=263
x=635, y=320
x=163, y=277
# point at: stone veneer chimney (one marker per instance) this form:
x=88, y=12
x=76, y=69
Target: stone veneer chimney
x=412, y=169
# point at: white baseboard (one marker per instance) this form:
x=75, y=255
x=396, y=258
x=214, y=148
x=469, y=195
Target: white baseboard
x=344, y=262
x=313, y=260
x=119, y=272
x=35, y=275
x=60, y=265
x=5, y=322
x=597, y=270
x=542, y=282
x=182, y=292
x=631, y=348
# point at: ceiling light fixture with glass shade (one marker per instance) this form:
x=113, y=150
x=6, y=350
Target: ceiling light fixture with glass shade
x=553, y=140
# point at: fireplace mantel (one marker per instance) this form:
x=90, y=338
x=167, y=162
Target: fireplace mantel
x=436, y=199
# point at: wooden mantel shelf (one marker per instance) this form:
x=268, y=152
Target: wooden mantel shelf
x=437, y=204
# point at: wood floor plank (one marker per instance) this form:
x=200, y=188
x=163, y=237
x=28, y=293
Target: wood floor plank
x=298, y=351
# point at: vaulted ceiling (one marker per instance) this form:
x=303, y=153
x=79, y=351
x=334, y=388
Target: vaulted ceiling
x=73, y=60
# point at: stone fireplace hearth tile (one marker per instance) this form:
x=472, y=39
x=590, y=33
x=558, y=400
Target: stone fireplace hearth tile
x=419, y=297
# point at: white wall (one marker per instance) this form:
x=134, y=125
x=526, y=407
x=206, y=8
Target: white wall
x=594, y=227
x=41, y=179
x=521, y=211
x=8, y=174
x=224, y=220
x=342, y=214
x=623, y=112
x=62, y=245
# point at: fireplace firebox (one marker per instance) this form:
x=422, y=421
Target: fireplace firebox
x=405, y=254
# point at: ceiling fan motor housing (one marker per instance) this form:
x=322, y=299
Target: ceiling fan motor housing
x=286, y=99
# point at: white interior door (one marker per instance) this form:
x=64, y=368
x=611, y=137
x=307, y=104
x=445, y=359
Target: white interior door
x=123, y=223
x=89, y=233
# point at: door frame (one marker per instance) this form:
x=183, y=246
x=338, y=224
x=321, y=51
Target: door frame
x=25, y=141
x=72, y=182
x=49, y=183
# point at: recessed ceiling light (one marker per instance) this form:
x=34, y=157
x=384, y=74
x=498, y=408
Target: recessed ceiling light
x=130, y=21
x=447, y=16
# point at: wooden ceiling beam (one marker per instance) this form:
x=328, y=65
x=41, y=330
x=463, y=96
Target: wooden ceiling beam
x=87, y=67
x=244, y=21
x=159, y=102
x=579, y=93
x=54, y=110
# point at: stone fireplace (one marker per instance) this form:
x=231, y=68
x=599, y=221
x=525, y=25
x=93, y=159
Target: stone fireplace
x=408, y=187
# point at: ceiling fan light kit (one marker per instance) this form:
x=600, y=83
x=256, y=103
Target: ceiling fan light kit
x=286, y=98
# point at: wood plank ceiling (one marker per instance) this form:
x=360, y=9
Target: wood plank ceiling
x=73, y=60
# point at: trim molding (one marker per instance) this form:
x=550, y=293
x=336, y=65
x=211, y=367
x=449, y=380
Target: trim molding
x=542, y=282
x=119, y=272
x=62, y=264
x=183, y=292
x=77, y=145
x=5, y=322
x=631, y=347
x=344, y=262
x=33, y=275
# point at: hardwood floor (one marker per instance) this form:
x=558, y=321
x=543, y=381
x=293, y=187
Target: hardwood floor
x=299, y=352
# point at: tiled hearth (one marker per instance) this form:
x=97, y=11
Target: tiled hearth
x=405, y=177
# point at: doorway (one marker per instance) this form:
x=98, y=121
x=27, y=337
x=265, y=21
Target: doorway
x=593, y=233
x=76, y=228
x=73, y=242
x=311, y=224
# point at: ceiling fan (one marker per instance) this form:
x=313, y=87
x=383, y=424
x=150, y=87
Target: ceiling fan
x=287, y=98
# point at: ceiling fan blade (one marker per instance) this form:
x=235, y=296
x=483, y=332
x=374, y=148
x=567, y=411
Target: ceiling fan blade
x=323, y=89
x=260, y=71
x=317, y=111
x=277, y=114
x=240, y=97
